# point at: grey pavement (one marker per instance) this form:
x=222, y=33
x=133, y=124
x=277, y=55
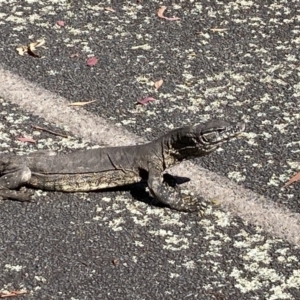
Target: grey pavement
x=119, y=245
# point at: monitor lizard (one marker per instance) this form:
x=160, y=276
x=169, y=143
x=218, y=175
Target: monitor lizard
x=101, y=168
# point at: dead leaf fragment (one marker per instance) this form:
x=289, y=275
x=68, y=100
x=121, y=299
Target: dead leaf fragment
x=37, y=43
x=92, y=61
x=144, y=101
x=12, y=294
x=158, y=84
x=75, y=55
x=160, y=14
x=115, y=261
x=295, y=178
x=22, y=50
x=30, y=48
x=60, y=23
x=31, y=53
x=218, y=29
x=109, y=9
x=49, y=131
x=26, y=140
x=81, y=103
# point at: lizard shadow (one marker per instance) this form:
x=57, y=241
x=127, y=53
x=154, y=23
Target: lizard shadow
x=138, y=190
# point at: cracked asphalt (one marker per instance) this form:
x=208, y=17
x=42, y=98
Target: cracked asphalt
x=231, y=59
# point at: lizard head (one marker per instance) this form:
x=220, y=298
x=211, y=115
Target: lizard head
x=199, y=140
x=214, y=133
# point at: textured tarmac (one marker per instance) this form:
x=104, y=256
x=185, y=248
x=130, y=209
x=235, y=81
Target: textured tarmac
x=108, y=245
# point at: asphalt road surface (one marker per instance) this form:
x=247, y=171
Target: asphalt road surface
x=236, y=60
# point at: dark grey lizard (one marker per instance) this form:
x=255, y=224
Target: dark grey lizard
x=95, y=169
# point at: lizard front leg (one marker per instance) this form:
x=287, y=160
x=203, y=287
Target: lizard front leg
x=173, y=196
x=13, y=177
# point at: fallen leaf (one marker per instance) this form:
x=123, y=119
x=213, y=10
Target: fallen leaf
x=31, y=53
x=92, y=61
x=81, y=103
x=218, y=29
x=37, y=43
x=12, y=294
x=160, y=13
x=74, y=55
x=295, y=178
x=30, y=48
x=26, y=140
x=109, y=9
x=115, y=261
x=22, y=50
x=49, y=131
x=60, y=23
x=158, y=84
x=144, y=101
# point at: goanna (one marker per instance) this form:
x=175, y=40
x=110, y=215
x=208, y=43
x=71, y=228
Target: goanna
x=96, y=169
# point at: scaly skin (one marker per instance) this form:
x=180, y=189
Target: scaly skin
x=101, y=168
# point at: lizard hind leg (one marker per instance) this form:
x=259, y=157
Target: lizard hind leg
x=13, y=177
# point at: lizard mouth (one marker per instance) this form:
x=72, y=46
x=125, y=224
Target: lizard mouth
x=219, y=135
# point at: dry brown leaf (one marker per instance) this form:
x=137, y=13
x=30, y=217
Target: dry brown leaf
x=49, y=131
x=160, y=11
x=12, y=294
x=115, y=261
x=144, y=101
x=32, y=53
x=295, y=178
x=218, y=29
x=81, y=103
x=61, y=23
x=109, y=9
x=26, y=140
x=92, y=61
x=22, y=50
x=37, y=43
x=75, y=55
x=158, y=84
x=30, y=48
x=160, y=14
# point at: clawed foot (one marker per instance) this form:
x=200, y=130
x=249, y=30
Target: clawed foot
x=191, y=203
x=174, y=197
x=22, y=195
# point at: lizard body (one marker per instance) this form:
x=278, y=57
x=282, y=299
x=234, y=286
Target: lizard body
x=95, y=169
